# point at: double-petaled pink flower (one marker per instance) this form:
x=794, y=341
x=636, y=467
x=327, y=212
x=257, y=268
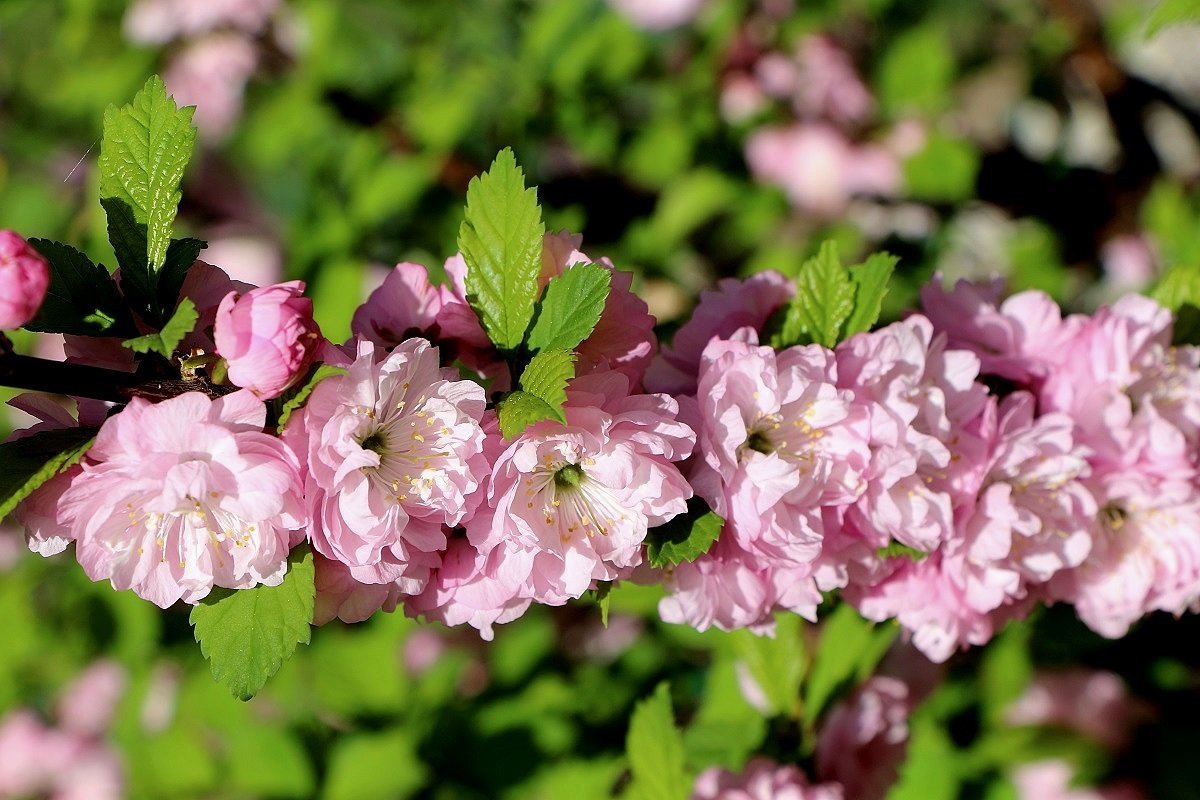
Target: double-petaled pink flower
x=180, y=496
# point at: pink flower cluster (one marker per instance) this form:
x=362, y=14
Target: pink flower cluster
x=949, y=471
x=762, y=779
x=896, y=469
x=70, y=761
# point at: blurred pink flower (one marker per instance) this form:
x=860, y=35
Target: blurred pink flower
x=1054, y=779
x=268, y=337
x=826, y=83
x=182, y=495
x=1091, y=702
x=658, y=15
x=864, y=739
x=1129, y=263
x=819, y=168
x=160, y=21
x=762, y=779
x=253, y=259
x=40, y=761
x=24, y=279
x=86, y=707
x=211, y=74
x=393, y=452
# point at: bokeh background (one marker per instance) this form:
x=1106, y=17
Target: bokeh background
x=1052, y=142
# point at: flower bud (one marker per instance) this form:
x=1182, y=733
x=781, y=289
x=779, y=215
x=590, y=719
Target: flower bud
x=24, y=278
x=267, y=336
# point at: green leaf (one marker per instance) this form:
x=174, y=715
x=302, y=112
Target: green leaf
x=519, y=410
x=1179, y=290
x=165, y=341
x=916, y=72
x=776, y=663
x=547, y=377
x=145, y=150
x=298, y=396
x=943, y=171
x=82, y=298
x=684, y=538
x=374, y=766
x=893, y=549
x=824, y=300
x=850, y=647
x=604, y=600
x=501, y=240
x=654, y=747
x=28, y=462
x=870, y=280
x=570, y=308
x=247, y=634
x=931, y=769
x=1172, y=12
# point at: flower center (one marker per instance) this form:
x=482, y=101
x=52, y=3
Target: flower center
x=568, y=476
x=759, y=442
x=376, y=442
x=1113, y=516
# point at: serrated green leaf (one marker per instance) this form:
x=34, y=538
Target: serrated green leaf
x=501, y=240
x=654, y=747
x=28, y=462
x=82, y=298
x=247, y=634
x=870, y=280
x=165, y=342
x=685, y=537
x=143, y=154
x=519, y=410
x=298, y=396
x=570, y=308
x=824, y=301
x=547, y=377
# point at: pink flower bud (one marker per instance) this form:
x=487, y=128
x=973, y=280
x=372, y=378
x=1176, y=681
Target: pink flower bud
x=267, y=336
x=24, y=278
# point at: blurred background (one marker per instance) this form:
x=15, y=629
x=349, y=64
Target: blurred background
x=1053, y=142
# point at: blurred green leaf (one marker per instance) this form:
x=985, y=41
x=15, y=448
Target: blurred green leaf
x=655, y=751
x=776, y=663
x=943, y=171
x=916, y=72
x=374, y=766
x=849, y=649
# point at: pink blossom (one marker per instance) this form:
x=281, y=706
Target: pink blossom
x=658, y=15
x=1092, y=702
x=476, y=588
x=1021, y=339
x=10, y=547
x=762, y=779
x=733, y=305
x=864, y=739
x=211, y=74
x=24, y=279
x=826, y=83
x=159, y=21
x=1055, y=779
x=252, y=258
x=179, y=496
x=581, y=496
x=86, y=707
x=394, y=452
x=1129, y=262
x=728, y=589
x=781, y=445
x=41, y=761
x=406, y=304
x=341, y=596
x=818, y=168
x=267, y=336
